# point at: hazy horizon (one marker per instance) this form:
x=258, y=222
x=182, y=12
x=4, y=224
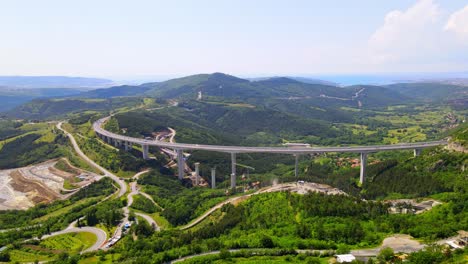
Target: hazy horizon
x=121, y=40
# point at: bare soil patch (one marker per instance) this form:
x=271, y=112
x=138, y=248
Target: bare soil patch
x=25, y=187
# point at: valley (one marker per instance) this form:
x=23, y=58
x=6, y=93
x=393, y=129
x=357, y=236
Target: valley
x=171, y=195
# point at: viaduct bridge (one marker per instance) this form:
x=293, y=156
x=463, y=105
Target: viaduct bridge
x=127, y=142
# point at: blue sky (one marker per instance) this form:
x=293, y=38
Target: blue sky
x=132, y=39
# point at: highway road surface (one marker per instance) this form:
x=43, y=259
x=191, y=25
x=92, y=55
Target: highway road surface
x=121, y=183
x=150, y=221
x=275, y=188
x=134, y=191
x=97, y=126
x=100, y=234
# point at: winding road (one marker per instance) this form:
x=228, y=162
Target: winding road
x=134, y=191
x=100, y=234
x=121, y=183
x=275, y=188
x=122, y=190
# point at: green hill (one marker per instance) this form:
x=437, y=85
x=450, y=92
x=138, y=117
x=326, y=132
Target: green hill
x=219, y=86
x=430, y=91
x=460, y=134
x=60, y=107
x=12, y=97
x=116, y=91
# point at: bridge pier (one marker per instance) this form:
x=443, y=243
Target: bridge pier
x=213, y=178
x=417, y=152
x=197, y=173
x=296, y=165
x=109, y=140
x=145, y=151
x=233, y=170
x=127, y=146
x=363, y=167
x=180, y=163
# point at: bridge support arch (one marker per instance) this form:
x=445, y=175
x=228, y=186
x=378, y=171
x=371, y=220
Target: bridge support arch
x=213, y=178
x=233, y=170
x=145, y=151
x=296, y=165
x=197, y=173
x=180, y=163
x=362, y=174
x=417, y=152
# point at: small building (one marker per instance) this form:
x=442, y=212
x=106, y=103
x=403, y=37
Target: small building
x=345, y=258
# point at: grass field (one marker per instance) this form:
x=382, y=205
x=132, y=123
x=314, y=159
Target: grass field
x=71, y=242
x=49, y=248
x=357, y=129
x=29, y=255
x=104, y=259
x=260, y=259
x=65, y=209
x=409, y=134
x=161, y=221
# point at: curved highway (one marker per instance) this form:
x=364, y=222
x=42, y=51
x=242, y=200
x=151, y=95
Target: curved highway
x=121, y=183
x=100, y=234
x=97, y=126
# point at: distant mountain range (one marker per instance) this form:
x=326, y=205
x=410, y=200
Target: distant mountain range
x=53, y=82
x=299, y=79
x=284, y=92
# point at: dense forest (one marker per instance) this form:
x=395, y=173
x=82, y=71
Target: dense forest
x=235, y=111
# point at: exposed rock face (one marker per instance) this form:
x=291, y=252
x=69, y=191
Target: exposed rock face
x=455, y=146
x=25, y=187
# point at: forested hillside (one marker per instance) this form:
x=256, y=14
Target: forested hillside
x=53, y=108
x=12, y=97
x=284, y=94
x=430, y=91
x=460, y=135
x=226, y=110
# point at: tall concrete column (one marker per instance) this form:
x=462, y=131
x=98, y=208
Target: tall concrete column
x=116, y=143
x=213, y=178
x=233, y=170
x=296, y=165
x=109, y=140
x=197, y=173
x=145, y=151
x=363, y=167
x=180, y=163
x=417, y=152
x=127, y=146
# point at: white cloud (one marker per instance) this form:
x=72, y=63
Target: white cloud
x=458, y=23
x=423, y=37
x=406, y=34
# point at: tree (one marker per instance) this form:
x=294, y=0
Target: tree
x=431, y=254
x=144, y=229
x=386, y=254
x=343, y=249
x=267, y=242
x=91, y=217
x=4, y=257
x=224, y=254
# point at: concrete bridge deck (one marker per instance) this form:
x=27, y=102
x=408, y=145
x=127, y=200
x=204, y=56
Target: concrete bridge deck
x=120, y=140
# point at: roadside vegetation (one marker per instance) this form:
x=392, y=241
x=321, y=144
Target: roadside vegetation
x=268, y=227
x=45, y=218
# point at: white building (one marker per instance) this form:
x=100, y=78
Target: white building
x=345, y=258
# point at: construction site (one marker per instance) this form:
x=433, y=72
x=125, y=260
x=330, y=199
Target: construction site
x=22, y=188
